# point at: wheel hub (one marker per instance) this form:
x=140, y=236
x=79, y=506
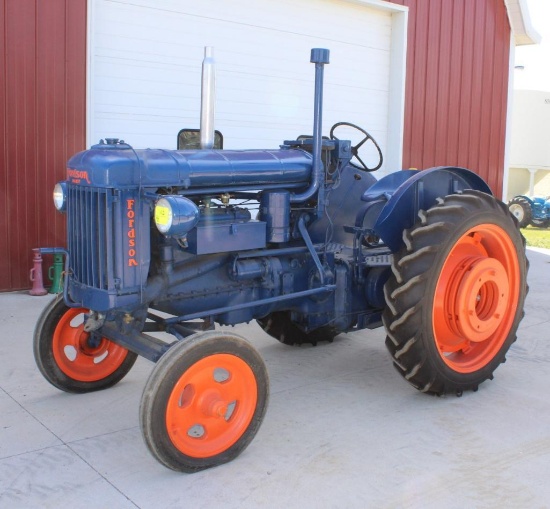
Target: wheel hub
x=81, y=355
x=88, y=345
x=213, y=405
x=481, y=299
x=476, y=298
x=517, y=211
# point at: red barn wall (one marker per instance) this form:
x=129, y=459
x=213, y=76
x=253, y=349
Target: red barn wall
x=43, y=111
x=457, y=86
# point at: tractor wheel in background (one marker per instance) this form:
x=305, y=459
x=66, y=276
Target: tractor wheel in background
x=456, y=295
x=74, y=360
x=540, y=223
x=520, y=208
x=204, y=401
x=279, y=326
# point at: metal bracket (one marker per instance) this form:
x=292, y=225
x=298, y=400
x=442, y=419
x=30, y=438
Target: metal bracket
x=311, y=249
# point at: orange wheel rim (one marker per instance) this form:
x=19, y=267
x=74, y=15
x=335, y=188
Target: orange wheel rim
x=211, y=405
x=77, y=356
x=476, y=298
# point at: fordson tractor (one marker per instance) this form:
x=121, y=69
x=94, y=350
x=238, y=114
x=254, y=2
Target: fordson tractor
x=302, y=239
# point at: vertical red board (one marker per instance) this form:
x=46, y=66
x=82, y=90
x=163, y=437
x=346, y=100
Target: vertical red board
x=456, y=94
x=43, y=111
x=4, y=265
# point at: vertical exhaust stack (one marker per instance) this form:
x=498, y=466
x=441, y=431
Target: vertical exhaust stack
x=319, y=57
x=208, y=98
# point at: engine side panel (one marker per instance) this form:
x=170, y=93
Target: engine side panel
x=344, y=201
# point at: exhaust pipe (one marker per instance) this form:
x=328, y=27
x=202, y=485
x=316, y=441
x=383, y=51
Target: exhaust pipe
x=208, y=98
x=319, y=57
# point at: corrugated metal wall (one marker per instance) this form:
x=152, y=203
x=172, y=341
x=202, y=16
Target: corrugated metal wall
x=457, y=86
x=43, y=108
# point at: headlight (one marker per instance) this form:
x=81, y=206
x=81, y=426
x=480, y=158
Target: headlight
x=60, y=196
x=175, y=215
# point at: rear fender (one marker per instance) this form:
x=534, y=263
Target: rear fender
x=407, y=192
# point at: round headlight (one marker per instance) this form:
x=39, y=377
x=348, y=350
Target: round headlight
x=175, y=215
x=60, y=196
x=163, y=215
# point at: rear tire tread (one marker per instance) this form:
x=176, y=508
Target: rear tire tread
x=279, y=326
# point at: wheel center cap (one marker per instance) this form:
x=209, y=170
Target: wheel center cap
x=213, y=405
x=482, y=298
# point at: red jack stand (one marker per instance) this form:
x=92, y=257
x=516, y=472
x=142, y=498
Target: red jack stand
x=35, y=275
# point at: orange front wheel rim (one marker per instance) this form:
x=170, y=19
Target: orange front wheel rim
x=80, y=358
x=211, y=405
x=476, y=298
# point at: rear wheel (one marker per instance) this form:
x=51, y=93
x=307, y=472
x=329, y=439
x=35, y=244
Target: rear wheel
x=204, y=401
x=456, y=296
x=520, y=208
x=540, y=223
x=74, y=360
x=279, y=326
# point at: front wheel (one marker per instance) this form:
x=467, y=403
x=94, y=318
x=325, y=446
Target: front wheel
x=540, y=223
x=204, y=401
x=456, y=296
x=74, y=360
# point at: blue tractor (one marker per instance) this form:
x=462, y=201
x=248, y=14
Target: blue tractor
x=534, y=211
x=170, y=241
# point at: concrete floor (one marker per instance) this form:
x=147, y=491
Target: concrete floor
x=342, y=430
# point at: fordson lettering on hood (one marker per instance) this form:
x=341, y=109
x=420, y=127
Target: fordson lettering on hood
x=130, y=215
x=76, y=176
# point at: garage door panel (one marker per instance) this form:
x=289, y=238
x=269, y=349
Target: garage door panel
x=147, y=57
x=345, y=20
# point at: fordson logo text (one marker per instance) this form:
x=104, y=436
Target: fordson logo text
x=76, y=176
x=130, y=217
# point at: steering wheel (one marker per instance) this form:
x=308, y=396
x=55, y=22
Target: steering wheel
x=355, y=149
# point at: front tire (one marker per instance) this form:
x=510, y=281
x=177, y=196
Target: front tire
x=204, y=401
x=540, y=223
x=456, y=295
x=71, y=359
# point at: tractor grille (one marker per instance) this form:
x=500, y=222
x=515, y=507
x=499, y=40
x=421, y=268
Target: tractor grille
x=90, y=233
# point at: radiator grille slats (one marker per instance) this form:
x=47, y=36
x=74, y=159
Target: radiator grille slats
x=89, y=227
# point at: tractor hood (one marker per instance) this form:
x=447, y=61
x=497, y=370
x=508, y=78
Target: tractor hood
x=116, y=164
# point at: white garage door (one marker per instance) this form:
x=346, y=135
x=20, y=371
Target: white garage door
x=145, y=61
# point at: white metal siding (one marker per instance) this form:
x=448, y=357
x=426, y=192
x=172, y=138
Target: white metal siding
x=146, y=55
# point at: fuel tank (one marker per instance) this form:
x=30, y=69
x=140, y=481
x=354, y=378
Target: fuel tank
x=116, y=164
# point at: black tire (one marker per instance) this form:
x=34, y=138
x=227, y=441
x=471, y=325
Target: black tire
x=66, y=359
x=279, y=326
x=520, y=208
x=540, y=223
x=192, y=419
x=451, y=319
